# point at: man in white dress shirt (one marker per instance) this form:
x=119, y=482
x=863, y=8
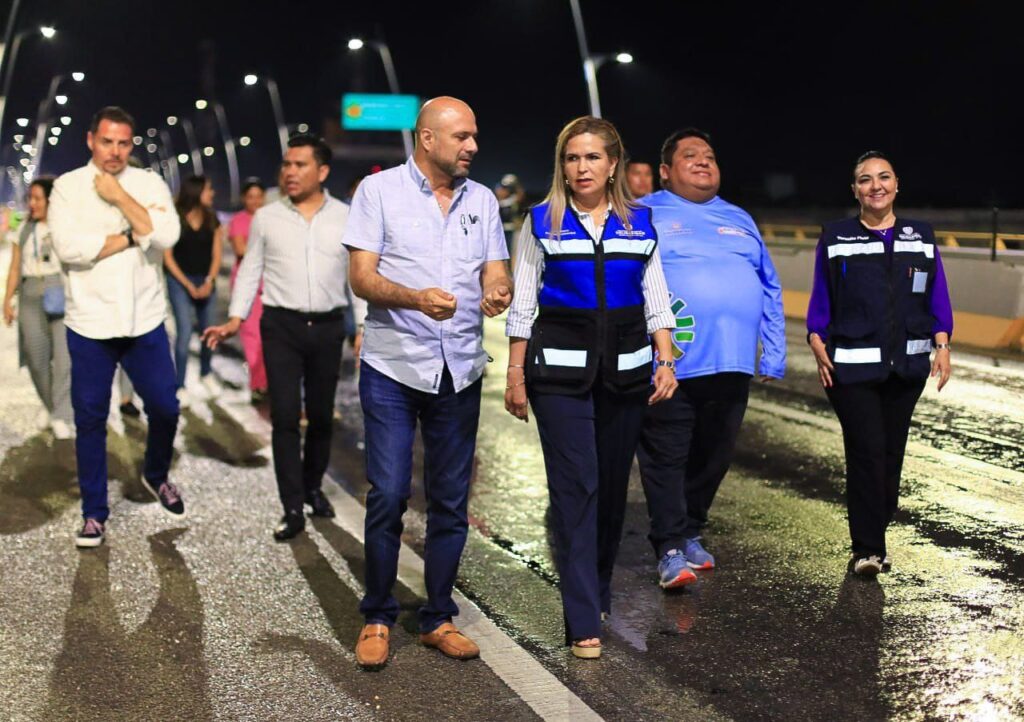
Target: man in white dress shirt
x=111, y=224
x=295, y=247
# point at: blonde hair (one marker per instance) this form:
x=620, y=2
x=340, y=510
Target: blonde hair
x=618, y=193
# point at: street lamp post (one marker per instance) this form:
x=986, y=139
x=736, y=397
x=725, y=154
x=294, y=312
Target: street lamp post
x=592, y=63
x=389, y=70
x=43, y=118
x=275, y=103
x=229, y=149
x=8, y=58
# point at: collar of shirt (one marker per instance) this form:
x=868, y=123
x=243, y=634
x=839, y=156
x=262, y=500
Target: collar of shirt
x=290, y=205
x=593, y=228
x=423, y=183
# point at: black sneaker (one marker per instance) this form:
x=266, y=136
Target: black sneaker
x=321, y=506
x=292, y=524
x=129, y=409
x=168, y=495
x=91, y=534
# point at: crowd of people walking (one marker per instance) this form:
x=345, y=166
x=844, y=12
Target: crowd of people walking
x=600, y=268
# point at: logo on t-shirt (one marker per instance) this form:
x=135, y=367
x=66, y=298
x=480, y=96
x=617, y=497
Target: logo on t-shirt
x=730, y=231
x=683, y=333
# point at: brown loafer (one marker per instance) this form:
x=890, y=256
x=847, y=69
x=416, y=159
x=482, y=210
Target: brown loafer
x=372, y=646
x=451, y=642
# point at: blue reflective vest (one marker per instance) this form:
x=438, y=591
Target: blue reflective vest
x=591, y=318
x=880, y=296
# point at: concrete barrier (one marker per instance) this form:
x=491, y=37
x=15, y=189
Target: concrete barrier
x=988, y=297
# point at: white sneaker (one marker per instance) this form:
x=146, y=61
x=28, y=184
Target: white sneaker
x=212, y=385
x=62, y=430
x=184, y=398
x=43, y=419
x=867, y=566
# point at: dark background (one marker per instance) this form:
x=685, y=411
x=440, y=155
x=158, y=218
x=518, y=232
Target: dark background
x=791, y=93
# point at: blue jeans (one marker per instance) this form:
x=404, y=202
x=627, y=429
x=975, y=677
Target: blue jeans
x=147, y=361
x=182, y=305
x=448, y=423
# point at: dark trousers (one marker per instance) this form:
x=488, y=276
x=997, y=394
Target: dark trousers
x=686, y=450
x=448, y=423
x=147, y=361
x=876, y=420
x=302, y=352
x=588, y=442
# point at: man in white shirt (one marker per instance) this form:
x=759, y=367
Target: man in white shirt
x=111, y=224
x=295, y=248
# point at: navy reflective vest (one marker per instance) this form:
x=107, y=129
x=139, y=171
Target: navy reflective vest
x=880, y=296
x=591, y=305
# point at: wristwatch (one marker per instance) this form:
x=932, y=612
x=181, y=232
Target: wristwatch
x=130, y=237
x=941, y=346
x=667, y=364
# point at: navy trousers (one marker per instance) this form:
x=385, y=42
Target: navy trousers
x=147, y=361
x=588, y=442
x=448, y=423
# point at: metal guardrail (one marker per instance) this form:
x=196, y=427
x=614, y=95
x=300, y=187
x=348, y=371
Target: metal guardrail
x=971, y=242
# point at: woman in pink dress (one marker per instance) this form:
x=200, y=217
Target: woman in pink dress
x=249, y=332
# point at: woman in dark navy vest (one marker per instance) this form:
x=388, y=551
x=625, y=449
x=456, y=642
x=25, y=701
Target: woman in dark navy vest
x=587, y=260
x=878, y=306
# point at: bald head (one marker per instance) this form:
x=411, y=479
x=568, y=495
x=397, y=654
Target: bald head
x=446, y=137
x=443, y=109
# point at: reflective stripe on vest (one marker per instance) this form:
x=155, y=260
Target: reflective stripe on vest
x=923, y=345
x=858, y=356
x=640, y=357
x=855, y=249
x=641, y=247
x=914, y=247
x=565, y=357
x=568, y=246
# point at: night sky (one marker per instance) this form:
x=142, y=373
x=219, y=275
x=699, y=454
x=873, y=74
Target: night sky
x=790, y=92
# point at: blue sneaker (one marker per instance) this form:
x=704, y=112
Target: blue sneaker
x=673, y=572
x=697, y=556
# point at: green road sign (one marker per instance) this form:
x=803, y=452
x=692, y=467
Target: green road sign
x=369, y=111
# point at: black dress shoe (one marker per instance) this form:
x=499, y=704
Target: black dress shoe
x=321, y=506
x=129, y=409
x=292, y=523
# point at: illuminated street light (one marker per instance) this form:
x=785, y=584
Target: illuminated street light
x=200, y=104
x=61, y=99
x=275, y=104
x=244, y=140
x=151, y=147
x=355, y=44
x=137, y=140
x=22, y=122
x=55, y=130
x=624, y=58
x=18, y=137
x=183, y=158
x=250, y=79
x=47, y=31
x=65, y=120
x=151, y=132
x=53, y=140
x=208, y=151
x=24, y=162
x=302, y=128
x=172, y=120
x=389, y=70
x=78, y=76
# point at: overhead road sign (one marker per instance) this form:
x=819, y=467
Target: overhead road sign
x=379, y=111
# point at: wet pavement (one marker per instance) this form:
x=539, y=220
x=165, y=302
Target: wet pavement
x=207, y=618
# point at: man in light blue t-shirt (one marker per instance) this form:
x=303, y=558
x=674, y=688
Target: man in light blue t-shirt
x=726, y=297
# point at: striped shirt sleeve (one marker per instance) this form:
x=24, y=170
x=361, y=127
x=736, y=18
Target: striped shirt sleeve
x=656, y=307
x=526, y=272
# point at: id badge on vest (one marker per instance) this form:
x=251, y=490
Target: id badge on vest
x=920, y=283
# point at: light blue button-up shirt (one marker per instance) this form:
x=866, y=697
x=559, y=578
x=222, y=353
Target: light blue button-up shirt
x=394, y=214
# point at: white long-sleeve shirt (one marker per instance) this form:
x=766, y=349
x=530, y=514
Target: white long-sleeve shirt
x=122, y=294
x=529, y=270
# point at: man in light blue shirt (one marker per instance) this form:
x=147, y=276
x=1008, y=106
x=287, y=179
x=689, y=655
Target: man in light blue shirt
x=726, y=298
x=428, y=254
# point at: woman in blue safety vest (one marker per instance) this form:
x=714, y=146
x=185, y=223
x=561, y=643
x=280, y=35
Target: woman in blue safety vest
x=587, y=259
x=879, y=304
